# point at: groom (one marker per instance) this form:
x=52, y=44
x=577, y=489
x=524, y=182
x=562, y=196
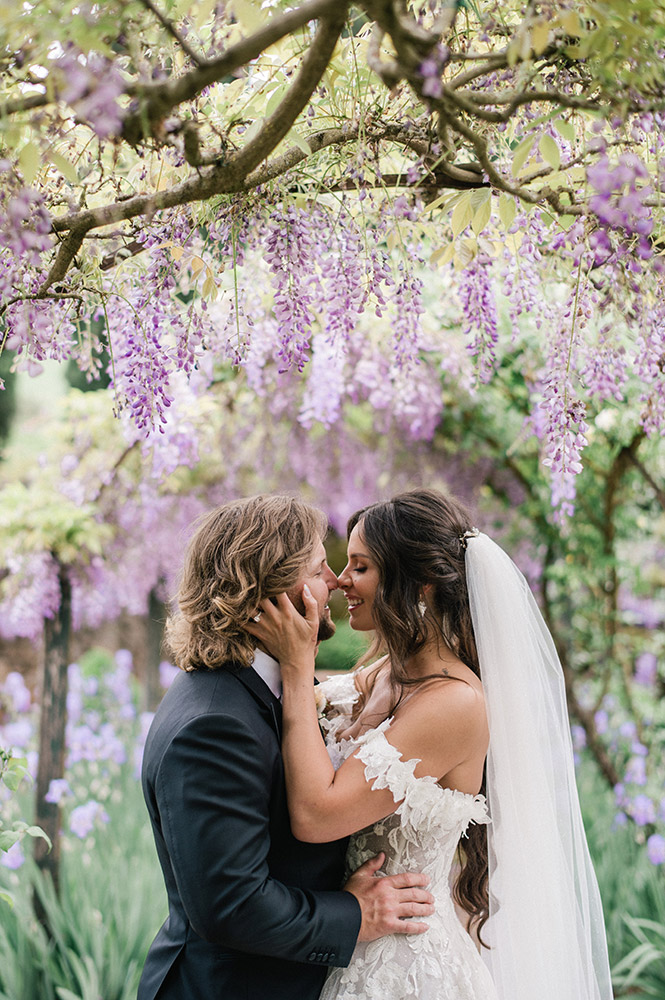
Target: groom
x=254, y=914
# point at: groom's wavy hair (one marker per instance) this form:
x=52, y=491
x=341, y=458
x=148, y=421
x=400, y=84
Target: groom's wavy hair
x=415, y=541
x=242, y=553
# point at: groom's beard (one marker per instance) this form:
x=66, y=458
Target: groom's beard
x=327, y=627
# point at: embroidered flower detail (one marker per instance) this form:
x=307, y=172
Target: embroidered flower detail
x=341, y=692
x=424, y=804
x=320, y=700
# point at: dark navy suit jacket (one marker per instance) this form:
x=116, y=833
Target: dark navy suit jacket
x=254, y=914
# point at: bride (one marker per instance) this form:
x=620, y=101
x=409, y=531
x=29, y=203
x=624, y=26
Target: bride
x=451, y=755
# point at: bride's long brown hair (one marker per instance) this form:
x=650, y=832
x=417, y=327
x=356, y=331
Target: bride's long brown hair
x=415, y=540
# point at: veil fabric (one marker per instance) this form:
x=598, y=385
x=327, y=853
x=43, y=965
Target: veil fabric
x=545, y=930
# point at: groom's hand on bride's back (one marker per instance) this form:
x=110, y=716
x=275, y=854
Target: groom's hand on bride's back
x=386, y=900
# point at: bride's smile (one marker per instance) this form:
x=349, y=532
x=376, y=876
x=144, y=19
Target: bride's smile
x=359, y=580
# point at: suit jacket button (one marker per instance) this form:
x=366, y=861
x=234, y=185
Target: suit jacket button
x=332, y=956
x=325, y=957
x=319, y=957
x=311, y=957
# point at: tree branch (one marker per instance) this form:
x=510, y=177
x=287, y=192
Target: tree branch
x=173, y=31
x=646, y=475
x=583, y=715
x=69, y=247
x=280, y=122
x=158, y=99
x=516, y=98
x=492, y=62
x=217, y=180
x=24, y=104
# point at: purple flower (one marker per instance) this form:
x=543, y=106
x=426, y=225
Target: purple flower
x=14, y=857
x=481, y=318
x=643, y=810
x=579, y=737
x=19, y=694
x=601, y=720
x=288, y=252
x=431, y=69
x=17, y=734
x=167, y=673
x=636, y=771
x=92, y=85
x=432, y=87
x=406, y=322
x=58, y=789
x=32, y=594
x=83, y=818
x=646, y=669
x=656, y=849
x=619, y=204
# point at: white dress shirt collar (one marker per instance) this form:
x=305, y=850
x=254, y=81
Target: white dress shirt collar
x=268, y=670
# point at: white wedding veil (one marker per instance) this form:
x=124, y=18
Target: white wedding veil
x=545, y=930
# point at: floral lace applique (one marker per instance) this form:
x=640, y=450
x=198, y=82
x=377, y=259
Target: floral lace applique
x=421, y=835
x=424, y=804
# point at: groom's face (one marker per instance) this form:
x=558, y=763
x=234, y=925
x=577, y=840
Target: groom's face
x=321, y=581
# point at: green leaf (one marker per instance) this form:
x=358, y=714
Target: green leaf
x=507, y=209
x=521, y=153
x=29, y=161
x=36, y=831
x=8, y=838
x=12, y=780
x=67, y=169
x=299, y=141
x=7, y=898
x=250, y=16
x=571, y=24
x=65, y=994
x=550, y=151
x=483, y=214
x=540, y=34
x=565, y=129
x=462, y=214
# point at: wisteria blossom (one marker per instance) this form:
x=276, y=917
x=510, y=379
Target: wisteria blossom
x=480, y=313
x=83, y=819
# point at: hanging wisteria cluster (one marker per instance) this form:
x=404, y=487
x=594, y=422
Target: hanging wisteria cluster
x=281, y=288
x=178, y=204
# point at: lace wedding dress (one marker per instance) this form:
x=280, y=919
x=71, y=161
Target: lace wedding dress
x=421, y=835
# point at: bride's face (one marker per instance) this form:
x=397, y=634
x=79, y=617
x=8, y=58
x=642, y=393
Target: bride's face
x=359, y=580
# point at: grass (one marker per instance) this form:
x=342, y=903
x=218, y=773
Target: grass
x=632, y=890
x=112, y=902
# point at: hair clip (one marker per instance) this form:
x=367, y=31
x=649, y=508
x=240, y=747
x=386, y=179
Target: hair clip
x=471, y=533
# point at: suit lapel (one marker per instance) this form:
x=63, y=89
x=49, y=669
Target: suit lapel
x=269, y=705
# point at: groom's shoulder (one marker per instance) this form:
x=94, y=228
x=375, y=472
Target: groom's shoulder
x=201, y=692
x=193, y=697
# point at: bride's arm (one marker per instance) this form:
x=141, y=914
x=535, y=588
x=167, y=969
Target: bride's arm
x=438, y=729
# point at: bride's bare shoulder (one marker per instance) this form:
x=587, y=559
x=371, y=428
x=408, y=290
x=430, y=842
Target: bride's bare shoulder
x=455, y=693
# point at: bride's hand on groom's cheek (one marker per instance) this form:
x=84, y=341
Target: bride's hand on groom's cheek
x=288, y=635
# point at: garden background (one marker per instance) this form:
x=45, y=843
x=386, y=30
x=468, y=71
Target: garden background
x=339, y=250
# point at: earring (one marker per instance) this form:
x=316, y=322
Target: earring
x=422, y=609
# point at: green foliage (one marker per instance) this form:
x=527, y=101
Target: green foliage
x=111, y=905
x=342, y=651
x=630, y=886
x=642, y=971
x=7, y=395
x=39, y=519
x=13, y=772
